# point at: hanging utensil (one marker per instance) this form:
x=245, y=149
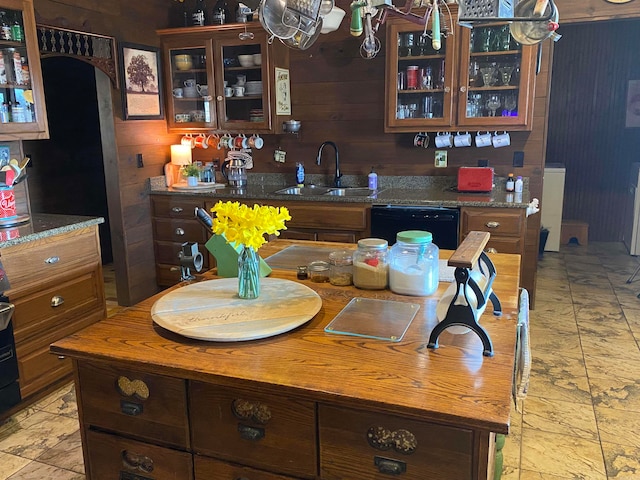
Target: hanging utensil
x=535, y=31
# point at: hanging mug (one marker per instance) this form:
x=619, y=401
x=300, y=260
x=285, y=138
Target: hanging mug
x=483, y=139
x=421, y=140
x=188, y=141
x=501, y=140
x=462, y=139
x=444, y=140
x=201, y=141
x=256, y=142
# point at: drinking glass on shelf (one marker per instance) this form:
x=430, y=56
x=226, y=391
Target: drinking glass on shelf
x=493, y=103
x=510, y=103
x=487, y=75
x=505, y=73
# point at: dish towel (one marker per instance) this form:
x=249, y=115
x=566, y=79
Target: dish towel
x=522, y=368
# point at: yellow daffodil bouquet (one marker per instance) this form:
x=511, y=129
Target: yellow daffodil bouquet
x=242, y=224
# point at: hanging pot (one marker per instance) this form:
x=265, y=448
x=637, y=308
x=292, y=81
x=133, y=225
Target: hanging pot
x=534, y=31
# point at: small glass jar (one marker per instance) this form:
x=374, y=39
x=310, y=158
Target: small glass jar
x=413, y=264
x=302, y=273
x=370, y=267
x=319, y=271
x=341, y=268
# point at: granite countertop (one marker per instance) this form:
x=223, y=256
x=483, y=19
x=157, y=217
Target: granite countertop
x=44, y=225
x=419, y=191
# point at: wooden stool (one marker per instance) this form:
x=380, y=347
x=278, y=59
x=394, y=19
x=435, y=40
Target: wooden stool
x=574, y=229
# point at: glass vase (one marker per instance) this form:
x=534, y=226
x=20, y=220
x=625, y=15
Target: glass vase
x=248, y=273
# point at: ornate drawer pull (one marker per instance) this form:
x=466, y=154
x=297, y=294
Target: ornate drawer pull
x=179, y=231
x=250, y=433
x=56, y=301
x=390, y=467
x=130, y=388
x=402, y=441
x=52, y=260
x=176, y=209
x=134, y=461
x=492, y=224
x=246, y=410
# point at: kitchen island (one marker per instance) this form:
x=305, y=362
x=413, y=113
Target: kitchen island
x=305, y=404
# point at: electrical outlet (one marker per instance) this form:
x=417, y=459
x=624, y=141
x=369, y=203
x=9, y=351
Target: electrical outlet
x=441, y=158
x=139, y=161
x=483, y=163
x=279, y=156
x=518, y=159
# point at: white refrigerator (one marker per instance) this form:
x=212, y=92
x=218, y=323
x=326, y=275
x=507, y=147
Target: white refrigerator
x=552, y=199
x=631, y=233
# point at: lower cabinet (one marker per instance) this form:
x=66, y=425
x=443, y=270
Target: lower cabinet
x=138, y=425
x=507, y=227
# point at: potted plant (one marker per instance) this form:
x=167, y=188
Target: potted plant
x=192, y=172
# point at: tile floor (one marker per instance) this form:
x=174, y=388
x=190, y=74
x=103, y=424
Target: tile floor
x=580, y=420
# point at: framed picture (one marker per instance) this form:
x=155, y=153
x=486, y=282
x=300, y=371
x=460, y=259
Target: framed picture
x=283, y=92
x=140, y=80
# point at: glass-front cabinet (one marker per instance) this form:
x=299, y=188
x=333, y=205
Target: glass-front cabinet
x=479, y=79
x=22, y=107
x=223, y=78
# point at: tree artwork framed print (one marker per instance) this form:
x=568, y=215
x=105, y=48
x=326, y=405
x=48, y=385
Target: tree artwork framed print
x=140, y=82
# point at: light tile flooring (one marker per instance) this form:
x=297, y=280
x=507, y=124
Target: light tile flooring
x=580, y=420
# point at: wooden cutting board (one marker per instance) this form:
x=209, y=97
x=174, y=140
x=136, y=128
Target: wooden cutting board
x=211, y=310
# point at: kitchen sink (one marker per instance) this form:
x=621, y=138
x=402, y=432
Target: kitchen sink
x=306, y=190
x=326, y=191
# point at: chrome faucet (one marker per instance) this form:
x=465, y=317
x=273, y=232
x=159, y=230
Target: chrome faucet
x=336, y=181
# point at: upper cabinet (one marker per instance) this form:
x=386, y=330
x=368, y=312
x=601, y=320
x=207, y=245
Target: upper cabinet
x=479, y=79
x=224, y=78
x=22, y=108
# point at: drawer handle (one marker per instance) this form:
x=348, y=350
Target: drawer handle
x=250, y=433
x=52, y=260
x=179, y=231
x=389, y=466
x=246, y=410
x=492, y=224
x=130, y=408
x=401, y=440
x=56, y=301
x=134, y=461
x=61, y=357
x=176, y=209
x=130, y=388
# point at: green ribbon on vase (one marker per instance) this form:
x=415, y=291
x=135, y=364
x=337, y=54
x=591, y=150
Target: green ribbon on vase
x=248, y=273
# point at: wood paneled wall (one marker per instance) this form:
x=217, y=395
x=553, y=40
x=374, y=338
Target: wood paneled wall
x=592, y=67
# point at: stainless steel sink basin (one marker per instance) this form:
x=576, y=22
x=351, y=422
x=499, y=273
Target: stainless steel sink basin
x=306, y=190
x=350, y=192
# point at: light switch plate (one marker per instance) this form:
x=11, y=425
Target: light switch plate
x=441, y=158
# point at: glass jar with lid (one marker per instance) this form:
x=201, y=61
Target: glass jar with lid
x=318, y=271
x=340, y=268
x=413, y=264
x=370, y=267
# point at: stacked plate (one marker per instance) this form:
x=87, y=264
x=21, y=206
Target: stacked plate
x=253, y=88
x=256, y=115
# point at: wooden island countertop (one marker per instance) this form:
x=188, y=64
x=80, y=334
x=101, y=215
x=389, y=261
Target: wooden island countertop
x=452, y=386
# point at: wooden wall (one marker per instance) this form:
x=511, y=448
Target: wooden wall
x=592, y=67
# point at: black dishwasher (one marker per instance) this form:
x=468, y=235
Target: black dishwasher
x=442, y=222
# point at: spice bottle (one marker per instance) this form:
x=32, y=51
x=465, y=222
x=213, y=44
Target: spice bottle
x=373, y=180
x=341, y=268
x=510, y=185
x=413, y=264
x=370, y=267
x=518, y=184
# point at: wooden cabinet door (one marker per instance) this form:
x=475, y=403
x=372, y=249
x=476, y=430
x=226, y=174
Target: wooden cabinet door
x=21, y=84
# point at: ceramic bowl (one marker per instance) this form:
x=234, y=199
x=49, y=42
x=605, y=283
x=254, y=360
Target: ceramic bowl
x=183, y=117
x=183, y=62
x=257, y=59
x=245, y=60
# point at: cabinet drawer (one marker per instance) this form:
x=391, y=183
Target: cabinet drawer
x=54, y=305
x=495, y=221
x=505, y=244
x=331, y=217
x=357, y=445
x=151, y=407
x=167, y=275
x=174, y=207
x=37, y=367
x=344, y=237
x=210, y=469
x=271, y=432
x=112, y=457
x=167, y=253
x=178, y=230
x=32, y=262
